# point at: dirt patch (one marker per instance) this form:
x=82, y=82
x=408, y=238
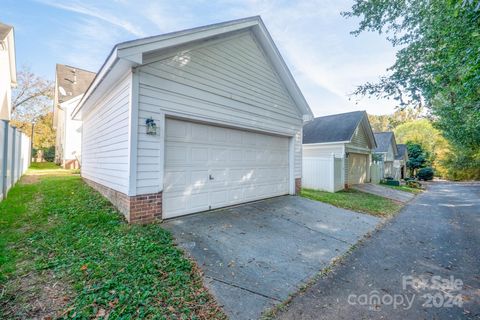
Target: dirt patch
x=34, y=296
x=29, y=179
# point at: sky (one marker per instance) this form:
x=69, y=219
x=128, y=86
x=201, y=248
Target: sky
x=327, y=62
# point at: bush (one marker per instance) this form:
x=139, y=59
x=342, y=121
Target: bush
x=49, y=154
x=425, y=174
x=414, y=184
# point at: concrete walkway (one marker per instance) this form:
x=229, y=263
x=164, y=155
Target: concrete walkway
x=385, y=192
x=254, y=255
x=433, y=240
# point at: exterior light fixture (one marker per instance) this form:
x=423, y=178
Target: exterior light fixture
x=151, y=126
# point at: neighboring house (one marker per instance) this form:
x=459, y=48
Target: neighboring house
x=348, y=136
x=70, y=85
x=8, y=72
x=401, y=160
x=387, y=148
x=193, y=120
x=14, y=144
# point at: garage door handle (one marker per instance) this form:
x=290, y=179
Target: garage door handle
x=210, y=177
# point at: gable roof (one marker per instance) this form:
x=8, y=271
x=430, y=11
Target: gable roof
x=384, y=140
x=127, y=55
x=71, y=82
x=336, y=128
x=402, y=150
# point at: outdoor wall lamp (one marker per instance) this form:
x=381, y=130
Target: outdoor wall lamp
x=151, y=126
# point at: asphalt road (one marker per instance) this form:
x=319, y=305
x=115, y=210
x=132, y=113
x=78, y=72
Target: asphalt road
x=424, y=264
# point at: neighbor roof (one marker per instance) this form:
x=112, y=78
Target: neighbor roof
x=4, y=30
x=71, y=82
x=402, y=149
x=384, y=139
x=332, y=128
x=127, y=55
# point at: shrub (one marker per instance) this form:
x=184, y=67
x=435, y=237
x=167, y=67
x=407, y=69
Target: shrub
x=414, y=184
x=425, y=174
x=49, y=154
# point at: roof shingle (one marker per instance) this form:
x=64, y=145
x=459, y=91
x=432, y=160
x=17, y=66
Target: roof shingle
x=332, y=128
x=71, y=82
x=383, y=139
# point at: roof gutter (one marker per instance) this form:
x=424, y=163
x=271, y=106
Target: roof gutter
x=325, y=143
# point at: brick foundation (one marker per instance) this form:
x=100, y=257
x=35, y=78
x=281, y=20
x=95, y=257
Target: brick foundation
x=298, y=185
x=142, y=209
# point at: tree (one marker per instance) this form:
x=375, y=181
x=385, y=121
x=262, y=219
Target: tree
x=390, y=121
x=416, y=157
x=437, y=64
x=31, y=107
x=429, y=138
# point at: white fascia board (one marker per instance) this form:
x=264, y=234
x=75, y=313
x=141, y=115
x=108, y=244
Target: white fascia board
x=325, y=143
x=178, y=38
x=12, y=58
x=104, y=70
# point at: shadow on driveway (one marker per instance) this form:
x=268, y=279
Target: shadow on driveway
x=254, y=255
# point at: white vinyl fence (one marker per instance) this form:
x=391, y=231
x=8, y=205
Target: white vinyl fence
x=376, y=172
x=14, y=156
x=325, y=174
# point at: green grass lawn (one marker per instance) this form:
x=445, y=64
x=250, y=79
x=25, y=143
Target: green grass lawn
x=356, y=201
x=404, y=188
x=66, y=252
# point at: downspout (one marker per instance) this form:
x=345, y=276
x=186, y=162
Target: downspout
x=5, y=159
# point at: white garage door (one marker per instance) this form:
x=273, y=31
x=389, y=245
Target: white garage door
x=209, y=167
x=357, y=164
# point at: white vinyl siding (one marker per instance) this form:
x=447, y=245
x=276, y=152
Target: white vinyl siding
x=323, y=150
x=105, y=143
x=228, y=82
x=359, y=138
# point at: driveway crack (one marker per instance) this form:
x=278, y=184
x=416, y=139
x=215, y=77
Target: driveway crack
x=243, y=288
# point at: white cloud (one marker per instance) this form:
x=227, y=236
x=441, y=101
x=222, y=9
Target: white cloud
x=326, y=60
x=95, y=12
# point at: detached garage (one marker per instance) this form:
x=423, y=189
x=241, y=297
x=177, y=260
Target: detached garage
x=192, y=121
x=337, y=151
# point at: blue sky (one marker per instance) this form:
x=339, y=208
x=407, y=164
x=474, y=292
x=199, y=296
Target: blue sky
x=326, y=61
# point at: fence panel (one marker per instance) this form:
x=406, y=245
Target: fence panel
x=2, y=156
x=14, y=156
x=339, y=179
x=376, y=172
x=324, y=173
x=9, y=158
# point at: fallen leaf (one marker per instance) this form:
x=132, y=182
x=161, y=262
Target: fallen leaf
x=101, y=313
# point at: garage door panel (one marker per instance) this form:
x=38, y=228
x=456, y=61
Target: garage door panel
x=199, y=132
x=199, y=154
x=175, y=180
x=176, y=154
x=219, y=198
x=245, y=166
x=177, y=129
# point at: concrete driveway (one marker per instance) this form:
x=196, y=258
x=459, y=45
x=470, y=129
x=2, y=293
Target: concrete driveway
x=433, y=240
x=254, y=255
x=386, y=192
